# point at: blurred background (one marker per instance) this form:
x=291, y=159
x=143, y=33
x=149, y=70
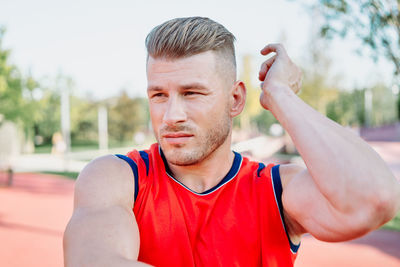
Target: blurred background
x=73, y=87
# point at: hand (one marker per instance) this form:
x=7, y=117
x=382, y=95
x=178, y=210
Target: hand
x=277, y=73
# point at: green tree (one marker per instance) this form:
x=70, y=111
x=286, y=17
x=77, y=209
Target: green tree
x=348, y=108
x=317, y=88
x=375, y=22
x=17, y=101
x=383, y=105
x=11, y=86
x=126, y=116
x=84, y=124
x=49, y=119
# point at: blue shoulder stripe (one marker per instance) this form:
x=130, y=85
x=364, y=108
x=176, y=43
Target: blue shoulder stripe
x=134, y=170
x=145, y=158
x=277, y=184
x=261, y=166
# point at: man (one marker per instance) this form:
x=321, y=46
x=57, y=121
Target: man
x=190, y=201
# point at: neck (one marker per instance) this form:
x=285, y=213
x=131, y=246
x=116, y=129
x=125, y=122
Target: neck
x=209, y=172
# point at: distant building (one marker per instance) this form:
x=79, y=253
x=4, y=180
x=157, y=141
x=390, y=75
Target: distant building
x=387, y=133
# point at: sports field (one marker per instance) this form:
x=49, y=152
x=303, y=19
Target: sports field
x=35, y=210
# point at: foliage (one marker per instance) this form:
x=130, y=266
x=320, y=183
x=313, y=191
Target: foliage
x=317, y=89
x=127, y=116
x=383, y=106
x=83, y=120
x=17, y=101
x=375, y=23
x=48, y=121
x=394, y=224
x=348, y=108
x=264, y=120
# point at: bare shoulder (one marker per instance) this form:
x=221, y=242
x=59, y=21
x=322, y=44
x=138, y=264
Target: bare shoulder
x=102, y=228
x=105, y=181
x=288, y=172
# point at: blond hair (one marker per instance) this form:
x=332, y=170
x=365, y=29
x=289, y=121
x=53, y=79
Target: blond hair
x=184, y=37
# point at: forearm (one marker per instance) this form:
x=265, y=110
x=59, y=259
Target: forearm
x=345, y=169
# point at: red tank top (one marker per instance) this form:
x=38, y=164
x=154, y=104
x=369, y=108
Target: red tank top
x=236, y=223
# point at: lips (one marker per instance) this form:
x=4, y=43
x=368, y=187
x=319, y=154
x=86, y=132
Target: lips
x=176, y=135
x=177, y=138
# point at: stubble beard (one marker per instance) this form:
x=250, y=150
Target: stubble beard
x=203, y=148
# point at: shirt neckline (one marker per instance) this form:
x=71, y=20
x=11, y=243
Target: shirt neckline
x=232, y=173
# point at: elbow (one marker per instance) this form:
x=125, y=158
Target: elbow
x=386, y=204
x=377, y=209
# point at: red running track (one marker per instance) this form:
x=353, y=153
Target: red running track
x=36, y=209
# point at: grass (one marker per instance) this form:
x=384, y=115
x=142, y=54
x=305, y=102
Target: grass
x=70, y=175
x=74, y=148
x=78, y=146
x=394, y=224
x=43, y=149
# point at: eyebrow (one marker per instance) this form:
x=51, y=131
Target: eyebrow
x=197, y=86
x=154, y=89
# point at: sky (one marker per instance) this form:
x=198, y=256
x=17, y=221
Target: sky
x=100, y=44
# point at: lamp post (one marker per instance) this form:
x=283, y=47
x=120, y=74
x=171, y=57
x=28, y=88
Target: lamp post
x=65, y=119
x=368, y=106
x=103, y=127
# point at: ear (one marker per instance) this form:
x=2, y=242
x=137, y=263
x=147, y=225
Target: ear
x=238, y=98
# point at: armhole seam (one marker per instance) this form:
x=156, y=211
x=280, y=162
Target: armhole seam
x=145, y=157
x=277, y=188
x=135, y=172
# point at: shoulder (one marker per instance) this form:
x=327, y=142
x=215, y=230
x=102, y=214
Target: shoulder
x=289, y=171
x=106, y=180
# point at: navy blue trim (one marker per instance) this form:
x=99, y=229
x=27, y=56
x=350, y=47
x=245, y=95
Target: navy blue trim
x=261, y=166
x=167, y=170
x=276, y=177
x=145, y=158
x=134, y=170
x=231, y=174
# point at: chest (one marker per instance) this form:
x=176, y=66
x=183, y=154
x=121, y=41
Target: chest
x=176, y=222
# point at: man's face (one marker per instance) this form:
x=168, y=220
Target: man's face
x=189, y=106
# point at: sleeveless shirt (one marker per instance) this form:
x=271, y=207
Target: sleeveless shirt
x=238, y=222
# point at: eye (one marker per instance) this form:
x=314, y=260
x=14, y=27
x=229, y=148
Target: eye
x=189, y=93
x=158, y=95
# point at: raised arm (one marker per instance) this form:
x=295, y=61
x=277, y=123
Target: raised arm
x=346, y=190
x=103, y=230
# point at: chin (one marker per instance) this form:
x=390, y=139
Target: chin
x=180, y=156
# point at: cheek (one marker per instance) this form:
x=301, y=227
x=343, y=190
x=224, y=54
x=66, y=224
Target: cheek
x=156, y=115
x=209, y=113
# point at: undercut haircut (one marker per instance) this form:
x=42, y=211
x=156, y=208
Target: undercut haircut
x=185, y=37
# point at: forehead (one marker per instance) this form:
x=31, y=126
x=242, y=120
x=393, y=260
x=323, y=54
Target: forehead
x=196, y=68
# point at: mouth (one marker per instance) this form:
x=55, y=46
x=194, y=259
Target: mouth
x=176, y=138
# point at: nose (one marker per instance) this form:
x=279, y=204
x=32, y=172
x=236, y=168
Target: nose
x=175, y=112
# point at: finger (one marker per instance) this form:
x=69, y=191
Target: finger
x=263, y=100
x=265, y=67
x=277, y=48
